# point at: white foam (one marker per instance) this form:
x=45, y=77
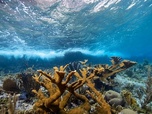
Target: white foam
x=48, y=54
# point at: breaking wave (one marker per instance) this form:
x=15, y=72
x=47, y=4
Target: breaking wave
x=48, y=29
x=53, y=54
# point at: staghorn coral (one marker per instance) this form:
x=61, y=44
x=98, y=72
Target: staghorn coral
x=83, y=108
x=86, y=78
x=97, y=96
x=60, y=88
x=105, y=71
x=57, y=87
x=102, y=107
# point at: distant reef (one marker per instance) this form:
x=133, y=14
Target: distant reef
x=17, y=64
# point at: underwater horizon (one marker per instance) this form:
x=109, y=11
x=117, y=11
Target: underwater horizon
x=53, y=31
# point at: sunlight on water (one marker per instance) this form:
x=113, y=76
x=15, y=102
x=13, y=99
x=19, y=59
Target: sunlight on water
x=46, y=29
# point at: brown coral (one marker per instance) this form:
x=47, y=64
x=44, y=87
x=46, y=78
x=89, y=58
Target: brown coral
x=10, y=85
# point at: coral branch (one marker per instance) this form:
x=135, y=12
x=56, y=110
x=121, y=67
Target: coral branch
x=55, y=85
x=97, y=96
x=105, y=71
x=60, y=88
x=64, y=101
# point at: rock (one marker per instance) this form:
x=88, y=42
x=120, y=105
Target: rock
x=127, y=111
x=114, y=98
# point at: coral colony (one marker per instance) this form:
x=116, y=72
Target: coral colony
x=72, y=91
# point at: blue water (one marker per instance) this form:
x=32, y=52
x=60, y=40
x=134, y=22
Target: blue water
x=47, y=29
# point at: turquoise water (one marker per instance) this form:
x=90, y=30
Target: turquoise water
x=51, y=28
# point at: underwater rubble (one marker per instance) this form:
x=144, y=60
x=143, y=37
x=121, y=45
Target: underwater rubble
x=123, y=87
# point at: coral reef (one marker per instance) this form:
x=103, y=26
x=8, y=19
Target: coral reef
x=60, y=88
x=137, y=88
x=21, y=83
x=56, y=86
x=71, y=89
